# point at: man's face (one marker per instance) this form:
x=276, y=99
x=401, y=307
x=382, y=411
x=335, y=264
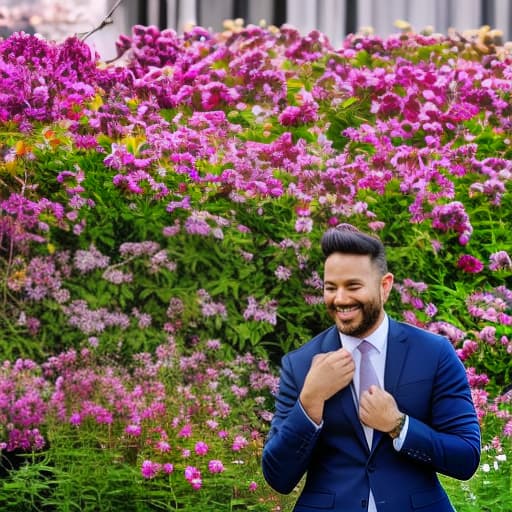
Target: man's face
x=355, y=293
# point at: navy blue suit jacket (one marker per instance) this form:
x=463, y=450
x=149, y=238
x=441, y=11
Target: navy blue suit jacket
x=429, y=383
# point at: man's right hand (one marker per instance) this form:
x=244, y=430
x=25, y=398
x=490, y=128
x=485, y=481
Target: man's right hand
x=329, y=373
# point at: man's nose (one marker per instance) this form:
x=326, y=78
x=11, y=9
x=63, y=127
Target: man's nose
x=341, y=296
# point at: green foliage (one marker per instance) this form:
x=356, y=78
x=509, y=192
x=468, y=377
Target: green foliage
x=490, y=489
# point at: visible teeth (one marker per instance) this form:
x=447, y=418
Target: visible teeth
x=345, y=310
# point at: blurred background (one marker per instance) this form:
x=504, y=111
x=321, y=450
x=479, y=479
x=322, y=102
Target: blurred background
x=57, y=19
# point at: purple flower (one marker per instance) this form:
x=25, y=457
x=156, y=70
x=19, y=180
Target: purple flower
x=500, y=261
x=85, y=261
x=197, y=225
x=282, y=273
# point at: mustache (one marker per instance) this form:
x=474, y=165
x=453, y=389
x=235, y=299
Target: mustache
x=334, y=307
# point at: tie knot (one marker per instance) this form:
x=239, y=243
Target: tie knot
x=364, y=347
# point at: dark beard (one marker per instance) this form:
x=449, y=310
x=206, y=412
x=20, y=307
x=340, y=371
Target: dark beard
x=371, y=312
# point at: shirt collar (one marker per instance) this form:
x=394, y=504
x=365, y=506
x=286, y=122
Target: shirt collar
x=378, y=338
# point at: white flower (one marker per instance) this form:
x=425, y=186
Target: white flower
x=486, y=468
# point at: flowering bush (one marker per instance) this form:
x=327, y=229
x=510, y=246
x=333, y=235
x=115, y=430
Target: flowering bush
x=180, y=192
x=186, y=420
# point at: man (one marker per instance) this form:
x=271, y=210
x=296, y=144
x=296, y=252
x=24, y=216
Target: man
x=378, y=448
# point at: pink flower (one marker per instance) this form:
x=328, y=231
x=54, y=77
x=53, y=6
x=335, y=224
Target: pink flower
x=186, y=431
x=488, y=335
x=133, y=430
x=167, y=468
x=239, y=443
x=215, y=466
x=75, y=419
x=201, y=448
x=193, y=476
x=253, y=486
x=149, y=469
x=163, y=446
x=303, y=225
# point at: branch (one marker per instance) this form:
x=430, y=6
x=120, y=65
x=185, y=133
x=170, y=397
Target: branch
x=107, y=20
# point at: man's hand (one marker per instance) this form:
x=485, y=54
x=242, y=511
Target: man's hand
x=378, y=409
x=329, y=373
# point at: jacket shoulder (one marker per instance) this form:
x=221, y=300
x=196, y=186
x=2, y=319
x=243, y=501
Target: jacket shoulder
x=419, y=335
x=322, y=342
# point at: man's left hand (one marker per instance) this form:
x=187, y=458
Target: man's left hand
x=378, y=409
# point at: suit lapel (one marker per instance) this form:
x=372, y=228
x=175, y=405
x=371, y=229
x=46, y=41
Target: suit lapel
x=395, y=356
x=344, y=400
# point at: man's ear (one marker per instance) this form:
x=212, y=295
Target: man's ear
x=387, y=285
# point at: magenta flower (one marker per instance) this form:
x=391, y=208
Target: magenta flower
x=133, y=430
x=193, y=476
x=239, y=443
x=470, y=264
x=201, y=448
x=75, y=419
x=215, y=466
x=149, y=469
x=163, y=446
x=253, y=486
x=186, y=431
x=167, y=468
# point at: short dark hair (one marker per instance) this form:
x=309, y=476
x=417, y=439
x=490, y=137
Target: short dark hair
x=347, y=239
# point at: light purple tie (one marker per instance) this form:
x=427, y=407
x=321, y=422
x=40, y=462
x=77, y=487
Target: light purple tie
x=367, y=375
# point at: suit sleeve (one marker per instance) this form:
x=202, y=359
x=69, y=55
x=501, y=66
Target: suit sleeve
x=450, y=442
x=292, y=436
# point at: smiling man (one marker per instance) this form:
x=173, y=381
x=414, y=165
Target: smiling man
x=370, y=409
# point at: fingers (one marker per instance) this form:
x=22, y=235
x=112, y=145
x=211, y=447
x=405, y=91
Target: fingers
x=329, y=373
x=378, y=409
x=339, y=360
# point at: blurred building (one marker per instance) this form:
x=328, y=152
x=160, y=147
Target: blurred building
x=335, y=18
